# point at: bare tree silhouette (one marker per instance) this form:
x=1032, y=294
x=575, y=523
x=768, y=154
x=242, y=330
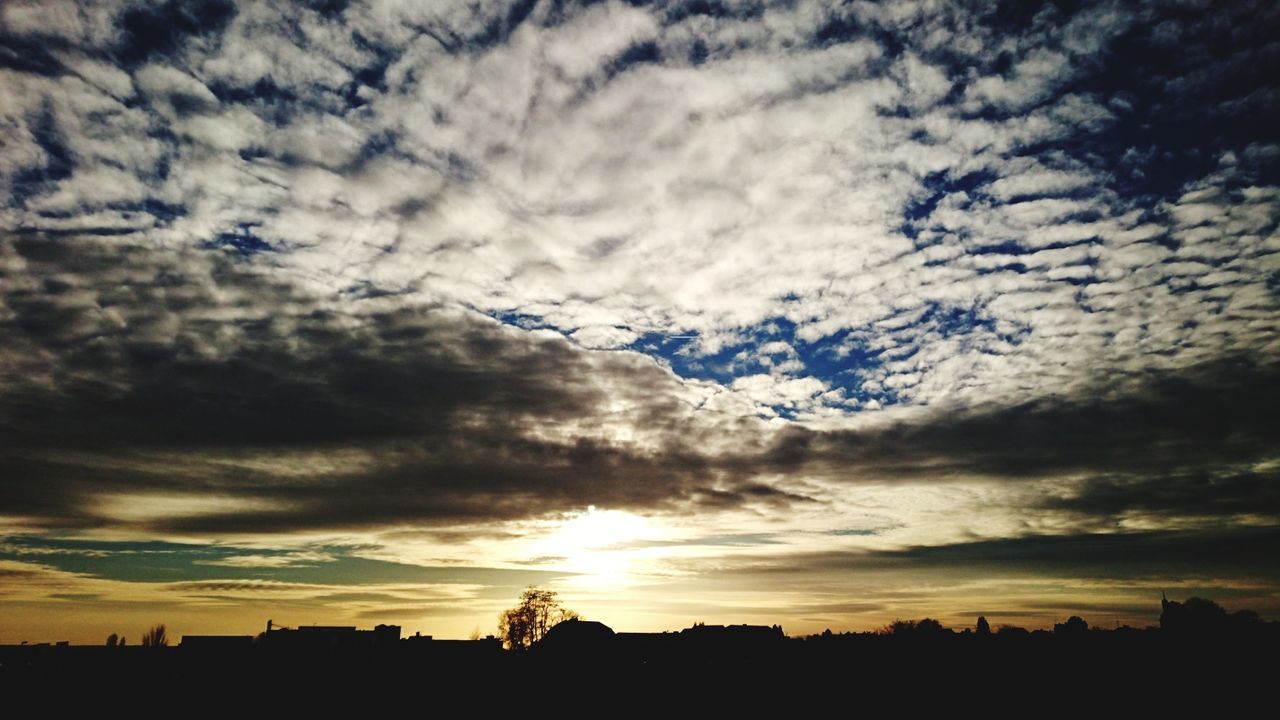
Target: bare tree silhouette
x=527, y=623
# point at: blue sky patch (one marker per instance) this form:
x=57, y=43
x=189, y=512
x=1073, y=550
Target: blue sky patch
x=243, y=241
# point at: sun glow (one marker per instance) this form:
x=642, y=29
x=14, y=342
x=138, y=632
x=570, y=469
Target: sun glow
x=599, y=546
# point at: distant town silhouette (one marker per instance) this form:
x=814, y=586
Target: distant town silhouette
x=1196, y=639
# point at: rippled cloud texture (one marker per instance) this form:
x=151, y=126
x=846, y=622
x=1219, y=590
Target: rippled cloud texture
x=812, y=313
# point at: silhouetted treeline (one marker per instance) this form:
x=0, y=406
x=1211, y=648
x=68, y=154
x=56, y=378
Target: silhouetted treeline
x=1196, y=642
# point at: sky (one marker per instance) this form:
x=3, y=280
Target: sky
x=810, y=313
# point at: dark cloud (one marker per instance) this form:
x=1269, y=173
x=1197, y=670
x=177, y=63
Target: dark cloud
x=480, y=480
x=460, y=416
x=1233, y=552
x=476, y=480
x=1197, y=494
x=1222, y=553
x=1214, y=415
x=397, y=374
x=453, y=412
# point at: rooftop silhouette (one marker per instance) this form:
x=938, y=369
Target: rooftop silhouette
x=1187, y=635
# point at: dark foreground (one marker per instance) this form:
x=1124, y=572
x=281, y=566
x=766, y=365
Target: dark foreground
x=1199, y=660
x=1133, y=668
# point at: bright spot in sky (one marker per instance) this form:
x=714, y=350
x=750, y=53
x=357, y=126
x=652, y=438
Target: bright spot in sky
x=597, y=545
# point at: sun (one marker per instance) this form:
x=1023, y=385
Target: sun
x=596, y=545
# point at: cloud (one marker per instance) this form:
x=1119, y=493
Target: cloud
x=286, y=560
x=1231, y=492
x=399, y=415
x=796, y=167
x=288, y=269
x=321, y=420
x=1219, y=414
x=1173, y=555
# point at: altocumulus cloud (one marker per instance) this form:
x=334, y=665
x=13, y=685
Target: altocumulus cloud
x=275, y=267
x=205, y=380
